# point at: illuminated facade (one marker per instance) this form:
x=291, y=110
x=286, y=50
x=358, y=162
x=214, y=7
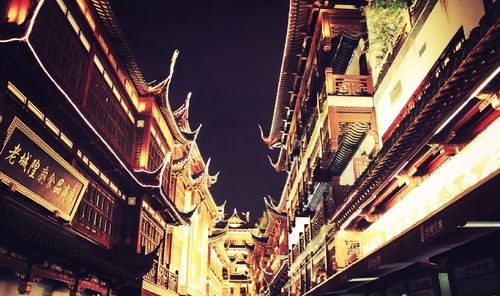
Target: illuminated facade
x=236, y=232
x=104, y=190
x=269, y=257
x=392, y=159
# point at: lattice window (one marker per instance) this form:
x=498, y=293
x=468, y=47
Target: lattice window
x=105, y=110
x=155, y=156
x=60, y=49
x=99, y=213
x=151, y=233
x=319, y=266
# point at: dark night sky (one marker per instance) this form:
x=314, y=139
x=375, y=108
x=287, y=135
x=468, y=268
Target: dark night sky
x=230, y=57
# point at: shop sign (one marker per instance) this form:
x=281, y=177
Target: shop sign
x=475, y=268
x=477, y=163
x=430, y=230
x=31, y=167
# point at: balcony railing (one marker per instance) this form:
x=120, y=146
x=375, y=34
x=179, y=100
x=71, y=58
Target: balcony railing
x=347, y=85
x=295, y=252
x=317, y=221
x=162, y=276
x=307, y=235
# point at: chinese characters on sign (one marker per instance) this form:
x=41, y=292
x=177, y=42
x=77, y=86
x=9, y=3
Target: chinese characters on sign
x=37, y=171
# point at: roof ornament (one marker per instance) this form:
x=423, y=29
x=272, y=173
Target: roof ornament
x=147, y=175
x=184, y=109
x=276, y=144
x=164, y=85
x=162, y=89
x=275, y=165
x=210, y=179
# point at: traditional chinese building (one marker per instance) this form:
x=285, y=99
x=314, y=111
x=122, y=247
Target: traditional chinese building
x=269, y=257
x=219, y=263
x=238, y=243
x=104, y=190
x=392, y=158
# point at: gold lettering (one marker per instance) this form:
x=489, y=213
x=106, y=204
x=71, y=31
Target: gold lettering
x=51, y=181
x=65, y=193
x=23, y=162
x=43, y=175
x=478, y=169
x=13, y=154
x=34, y=166
x=58, y=187
x=71, y=195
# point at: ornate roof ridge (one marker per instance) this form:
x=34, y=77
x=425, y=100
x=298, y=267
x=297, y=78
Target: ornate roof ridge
x=162, y=89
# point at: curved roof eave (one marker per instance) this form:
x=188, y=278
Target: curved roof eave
x=296, y=18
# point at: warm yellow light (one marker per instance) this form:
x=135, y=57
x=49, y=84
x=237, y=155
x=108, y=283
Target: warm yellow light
x=17, y=11
x=475, y=164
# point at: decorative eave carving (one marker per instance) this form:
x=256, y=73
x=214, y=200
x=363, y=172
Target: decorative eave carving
x=161, y=91
x=260, y=240
x=273, y=210
x=279, y=164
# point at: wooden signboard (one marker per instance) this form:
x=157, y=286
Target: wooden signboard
x=30, y=166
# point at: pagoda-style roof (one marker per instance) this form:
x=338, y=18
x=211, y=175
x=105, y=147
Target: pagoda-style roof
x=349, y=142
x=290, y=74
x=235, y=221
x=217, y=235
x=164, y=205
x=151, y=182
x=181, y=116
x=272, y=209
x=297, y=21
x=222, y=210
x=161, y=92
x=204, y=175
x=181, y=157
x=260, y=240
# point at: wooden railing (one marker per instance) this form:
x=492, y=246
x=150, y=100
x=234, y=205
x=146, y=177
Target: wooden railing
x=173, y=281
x=317, y=221
x=162, y=276
x=295, y=252
x=307, y=235
x=347, y=85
